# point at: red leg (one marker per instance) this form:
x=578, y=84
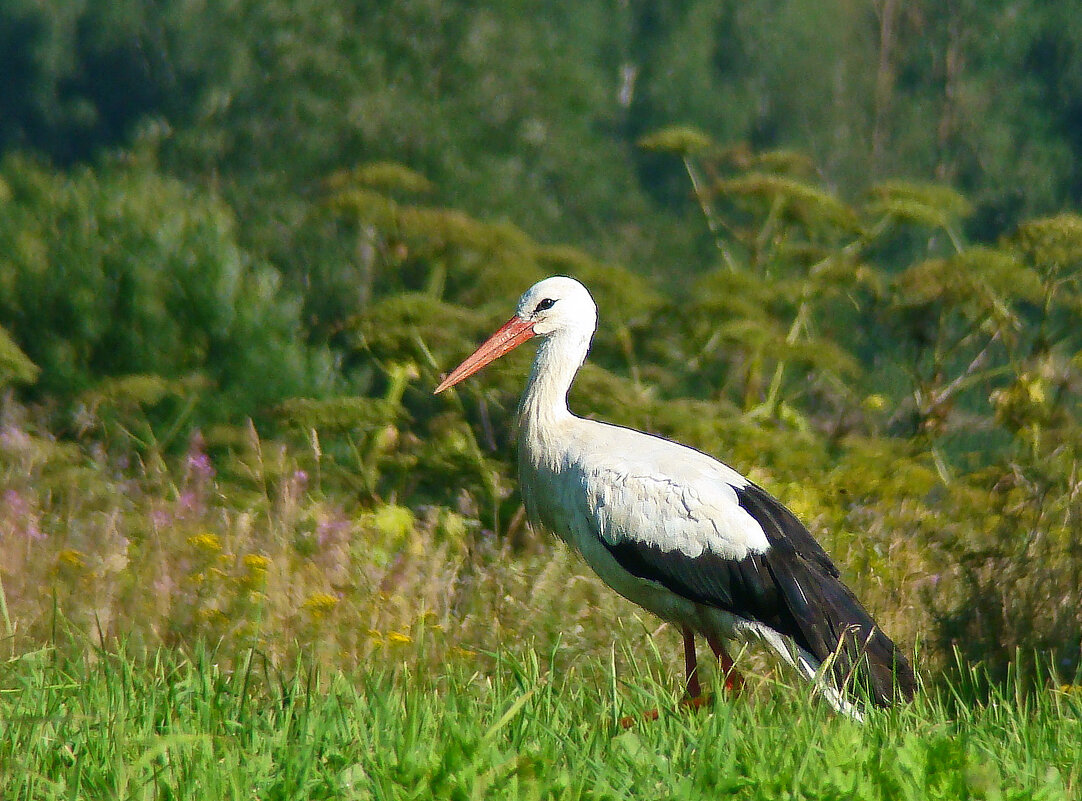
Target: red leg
x=734, y=682
x=695, y=693
x=690, y=664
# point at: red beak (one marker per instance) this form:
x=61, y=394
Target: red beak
x=512, y=334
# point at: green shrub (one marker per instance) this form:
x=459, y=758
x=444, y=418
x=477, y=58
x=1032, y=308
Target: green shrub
x=120, y=271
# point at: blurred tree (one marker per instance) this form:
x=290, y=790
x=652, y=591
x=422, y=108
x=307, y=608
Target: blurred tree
x=80, y=77
x=120, y=271
x=979, y=103
x=529, y=111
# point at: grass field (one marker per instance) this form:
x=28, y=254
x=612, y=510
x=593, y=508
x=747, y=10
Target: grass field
x=378, y=652
x=114, y=726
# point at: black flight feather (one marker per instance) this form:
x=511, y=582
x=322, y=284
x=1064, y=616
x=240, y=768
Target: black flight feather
x=794, y=588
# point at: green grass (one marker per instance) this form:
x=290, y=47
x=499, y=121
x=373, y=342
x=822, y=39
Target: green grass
x=113, y=726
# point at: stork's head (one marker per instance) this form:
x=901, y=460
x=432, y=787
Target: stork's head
x=557, y=303
x=553, y=307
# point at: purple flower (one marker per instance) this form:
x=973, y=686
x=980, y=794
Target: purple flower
x=187, y=502
x=23, y=518
x=200, y=466
x=13, y=438
x=164, y=585
x=197, y=460
x=15, y=502
x=329, y=530
x=33, y=531
x=160, y=518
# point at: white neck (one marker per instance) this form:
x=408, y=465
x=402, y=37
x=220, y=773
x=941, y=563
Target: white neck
x=559, y=356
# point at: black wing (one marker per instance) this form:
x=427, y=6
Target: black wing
x=794, y=588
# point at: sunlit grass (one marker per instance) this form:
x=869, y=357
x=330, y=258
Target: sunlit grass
x=161, y=726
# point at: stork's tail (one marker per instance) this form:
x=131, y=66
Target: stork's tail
x=854, y=654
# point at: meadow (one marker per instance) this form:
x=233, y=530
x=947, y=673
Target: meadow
x=202, y=628
x=119, y=726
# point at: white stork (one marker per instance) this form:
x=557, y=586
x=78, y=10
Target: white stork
x=678, y=532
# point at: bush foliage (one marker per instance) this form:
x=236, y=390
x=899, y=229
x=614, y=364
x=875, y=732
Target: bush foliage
x=121, y=272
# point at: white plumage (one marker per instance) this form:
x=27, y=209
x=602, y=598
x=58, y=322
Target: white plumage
x=676, y=531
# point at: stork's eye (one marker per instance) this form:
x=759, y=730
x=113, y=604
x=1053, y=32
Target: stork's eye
x=544, y=305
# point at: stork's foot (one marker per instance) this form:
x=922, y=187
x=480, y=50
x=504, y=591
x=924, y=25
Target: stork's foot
x=695, y=702
x=734, y=682
x=627, y=721
x=688, y=702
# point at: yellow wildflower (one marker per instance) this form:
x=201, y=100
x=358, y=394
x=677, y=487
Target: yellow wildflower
x=255, y=575
x=71, y=559
x=212, y=614
x=320, y=603
x=206, y=542
x=398, y=637
x=255, y=562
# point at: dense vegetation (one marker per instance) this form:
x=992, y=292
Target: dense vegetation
x=835, y=244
